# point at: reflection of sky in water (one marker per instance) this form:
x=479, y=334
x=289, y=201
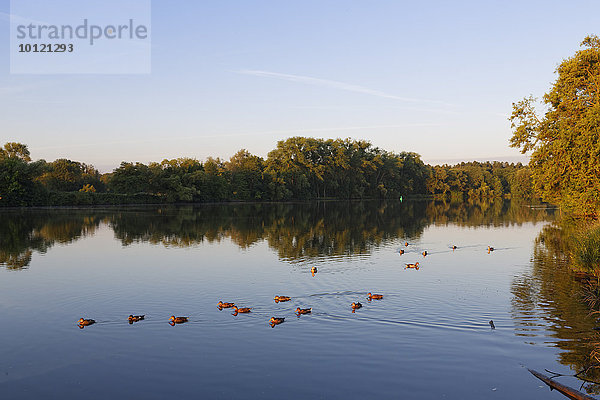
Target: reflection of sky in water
x=428, y=338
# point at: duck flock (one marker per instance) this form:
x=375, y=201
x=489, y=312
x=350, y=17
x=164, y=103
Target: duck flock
x=173, y=320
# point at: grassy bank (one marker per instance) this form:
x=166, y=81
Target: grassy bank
x=585, y=249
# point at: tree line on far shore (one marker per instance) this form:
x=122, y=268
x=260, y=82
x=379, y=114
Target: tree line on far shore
x=299, y=168
x=564, y=169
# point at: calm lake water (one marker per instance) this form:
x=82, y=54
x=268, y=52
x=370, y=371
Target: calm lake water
x=428, y=338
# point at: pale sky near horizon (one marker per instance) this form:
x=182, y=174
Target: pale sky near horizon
x=437, y=78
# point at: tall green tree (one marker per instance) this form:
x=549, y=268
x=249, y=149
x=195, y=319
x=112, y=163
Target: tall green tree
x=565, y=141
x=131, y=178
x=246, y=175
x=17, y=177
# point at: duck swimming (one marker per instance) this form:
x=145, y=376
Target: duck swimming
x=242, y=310
x=225, y=305
x=374, y=296
x=276, y=321
x=178, y=320
x=415, y=266
x=85, y=322
x=401, y=251
x=490, y=249
x=135, y=318
x=281, y=298
x=356, y=305
x=424, y=253
x=303, y=310
x=454, y=247
x=406, y=244
x=313, y=270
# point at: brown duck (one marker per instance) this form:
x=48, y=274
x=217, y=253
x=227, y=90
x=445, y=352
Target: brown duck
x=371, y=296
x=303, y=310
x=135, y=318
x=178, y=320
x=281, y=298
x=225, y=305
x=242, y=310
x=415, y=266
x=85, y=322
x=276, y=321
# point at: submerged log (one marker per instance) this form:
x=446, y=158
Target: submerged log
x=567, y=391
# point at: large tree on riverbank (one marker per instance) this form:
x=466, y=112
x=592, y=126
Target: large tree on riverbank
x=17, y=176
x=565, y=142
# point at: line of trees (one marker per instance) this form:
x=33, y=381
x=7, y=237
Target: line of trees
x=298, y=168
x=481, y=180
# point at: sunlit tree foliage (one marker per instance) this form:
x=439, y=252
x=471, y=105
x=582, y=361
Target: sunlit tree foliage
x=565, y=141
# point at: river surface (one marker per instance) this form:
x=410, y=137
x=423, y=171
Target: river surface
x=428, y=338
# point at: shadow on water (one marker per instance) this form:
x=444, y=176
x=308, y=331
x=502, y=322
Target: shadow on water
x=296, y=231
x=549, y=300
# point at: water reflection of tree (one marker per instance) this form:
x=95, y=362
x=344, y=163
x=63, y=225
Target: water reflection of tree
x=326, y=229
x=23, y=232
x=293, y=229
x=492, y=212
x=551, y=297
x=304, y=230
x=297, y=231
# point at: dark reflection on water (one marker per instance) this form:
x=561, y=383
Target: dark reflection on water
x=24, y=231
x=296, y=231
x=549, y=306
x=428, y=338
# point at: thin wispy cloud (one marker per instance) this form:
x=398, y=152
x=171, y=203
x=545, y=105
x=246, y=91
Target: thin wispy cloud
x=4, y=16
x=16, y=19
x=16, y=89
x=342, y=129
x=438, y=110
x=335, y=85
x=29, y=88
x=453, y=161
x=242, y=134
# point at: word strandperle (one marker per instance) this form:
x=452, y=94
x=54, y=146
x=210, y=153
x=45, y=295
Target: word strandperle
x=84, y=31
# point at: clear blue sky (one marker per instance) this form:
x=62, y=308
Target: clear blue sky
x=437, y=78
